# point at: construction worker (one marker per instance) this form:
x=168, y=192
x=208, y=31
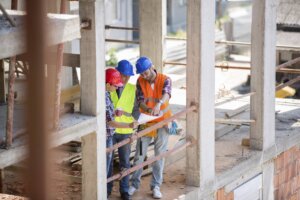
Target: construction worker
x=113, y=81
x=153, y=94
x=127, y=111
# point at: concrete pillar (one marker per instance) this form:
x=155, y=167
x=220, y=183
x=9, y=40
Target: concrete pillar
x=200, y=90
x=1, y=180
x=268, y=181
x=2, y=83
x=152, y=19
x=263, y=59
x=92, y=62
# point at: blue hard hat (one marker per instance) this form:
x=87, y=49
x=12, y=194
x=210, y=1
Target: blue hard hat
x=142, y=64
x=124, y=67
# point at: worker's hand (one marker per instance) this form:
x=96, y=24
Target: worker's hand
x=118, y=112
x=134, y=125
x=156, y=109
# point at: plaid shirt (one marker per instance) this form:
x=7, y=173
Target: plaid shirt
x=109, y=114
x=167, y=88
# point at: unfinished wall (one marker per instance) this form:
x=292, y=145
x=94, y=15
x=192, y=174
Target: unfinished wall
x=287, y=175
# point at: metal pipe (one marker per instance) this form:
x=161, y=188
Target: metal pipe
x=222, y=66
x=233, y=121
x=121, y=28
x=189, y=141
x=289, y=63
x=174, y=38
x=174, y=63
x=234, y=98
x=285, y=70
x=290, y=82
x=10, y=102
x=11, y=21
x=151, y=128
x=237, y=43
x=122, y=41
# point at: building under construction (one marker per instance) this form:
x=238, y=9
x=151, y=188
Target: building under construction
x=234, y=147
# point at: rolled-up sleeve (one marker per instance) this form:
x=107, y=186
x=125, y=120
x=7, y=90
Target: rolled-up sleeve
x=167, y=87
x=139, y=94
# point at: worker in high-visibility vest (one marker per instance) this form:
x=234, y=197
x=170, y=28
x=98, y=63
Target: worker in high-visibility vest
x=126, y=111
x=153, y=94
x=113, y=82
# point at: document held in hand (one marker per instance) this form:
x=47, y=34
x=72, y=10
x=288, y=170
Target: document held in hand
x=144, y=118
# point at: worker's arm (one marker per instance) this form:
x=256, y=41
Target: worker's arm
x=156, y=108
x=166, y=95
x=115, y=124
x=140, y=99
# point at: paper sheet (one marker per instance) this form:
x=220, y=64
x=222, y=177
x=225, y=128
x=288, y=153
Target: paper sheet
x=146, y=118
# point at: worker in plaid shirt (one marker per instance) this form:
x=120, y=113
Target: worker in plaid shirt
x=113, y=81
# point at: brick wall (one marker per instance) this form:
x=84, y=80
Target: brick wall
x=287, y=175
x=222, y=195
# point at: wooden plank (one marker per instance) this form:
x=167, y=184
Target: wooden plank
x=200, y=86
x=61, y=28
x=262, y=106
x=70, y=94
x=153, y=14
x=92, y=61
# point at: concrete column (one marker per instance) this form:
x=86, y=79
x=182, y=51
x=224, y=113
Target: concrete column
x=1, y=180
x=2, y=83
x=263, y=61
x=268, y=181
x=200, y=90
x=152, y=19
x=92, y=62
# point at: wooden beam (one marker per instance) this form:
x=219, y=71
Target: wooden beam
x=262, y=134
x=200, y=86
x=10, y=102
x=153, y=14
x=61, y=28
x=92, y=61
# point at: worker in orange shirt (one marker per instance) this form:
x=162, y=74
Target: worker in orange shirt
x=153, y=91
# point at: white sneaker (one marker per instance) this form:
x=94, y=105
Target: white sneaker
x=131, y=190
x=156, y=193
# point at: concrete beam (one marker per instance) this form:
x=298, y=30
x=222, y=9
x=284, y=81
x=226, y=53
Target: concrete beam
x=73, y=126
x=92, y=62
x=60, y=29
x=200, y=91
x=263, y=58
x=152, y=16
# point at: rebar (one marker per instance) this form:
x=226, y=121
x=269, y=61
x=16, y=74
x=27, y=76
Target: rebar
x=122, y=41
x=151, y=128
x=121, y=28
x=189, y=141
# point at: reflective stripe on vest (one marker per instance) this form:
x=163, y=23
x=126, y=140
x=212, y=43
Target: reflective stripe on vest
x=125, y=103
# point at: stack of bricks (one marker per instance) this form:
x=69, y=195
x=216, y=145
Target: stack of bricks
x=222, y=195
x=287, y=175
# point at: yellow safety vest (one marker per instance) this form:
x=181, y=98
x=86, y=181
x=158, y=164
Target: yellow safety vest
x=126, y=103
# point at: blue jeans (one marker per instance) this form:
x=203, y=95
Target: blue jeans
x=160, y=146
x=124, y=156
x=109, y=163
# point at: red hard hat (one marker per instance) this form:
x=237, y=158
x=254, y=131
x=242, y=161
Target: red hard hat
x=113, y=77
